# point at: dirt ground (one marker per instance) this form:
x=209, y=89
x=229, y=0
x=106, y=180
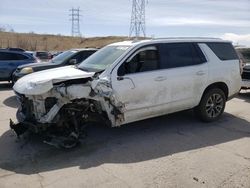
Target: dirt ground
x=170, y=151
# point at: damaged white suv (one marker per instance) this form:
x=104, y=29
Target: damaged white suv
x=130, y=81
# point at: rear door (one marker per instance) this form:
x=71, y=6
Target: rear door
x=186, y=71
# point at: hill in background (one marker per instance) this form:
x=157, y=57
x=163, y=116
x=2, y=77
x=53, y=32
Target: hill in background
x=34, y=42
x=43, y=42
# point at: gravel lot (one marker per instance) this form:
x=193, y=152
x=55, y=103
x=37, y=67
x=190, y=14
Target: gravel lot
x=170, y=151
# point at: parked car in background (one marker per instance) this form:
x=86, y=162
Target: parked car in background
x=245, y=57
x=70, y=57
x=10, y=60
x=246, y=77
x=43, y=55
x=127, y=82
x=55, y=53
x=245, y=51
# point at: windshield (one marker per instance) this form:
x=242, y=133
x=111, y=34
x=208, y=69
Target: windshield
x=103, y=58
x=62, y=57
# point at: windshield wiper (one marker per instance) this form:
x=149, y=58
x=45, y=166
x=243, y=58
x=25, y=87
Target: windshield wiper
x=83, y=69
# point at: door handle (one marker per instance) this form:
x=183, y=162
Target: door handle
x=200, y=73
x=160, y=78
x=120, y=78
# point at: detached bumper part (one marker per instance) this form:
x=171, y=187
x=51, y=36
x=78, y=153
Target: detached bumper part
x=58, y=140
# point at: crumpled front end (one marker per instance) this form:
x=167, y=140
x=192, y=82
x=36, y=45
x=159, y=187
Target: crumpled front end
x=67, y=108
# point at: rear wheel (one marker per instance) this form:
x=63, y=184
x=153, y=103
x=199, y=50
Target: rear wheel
x=211, y=106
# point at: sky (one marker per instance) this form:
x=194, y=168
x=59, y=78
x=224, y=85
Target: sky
x=227, y=19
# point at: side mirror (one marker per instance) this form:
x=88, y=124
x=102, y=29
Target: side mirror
x=72, y=62
x=119, y=78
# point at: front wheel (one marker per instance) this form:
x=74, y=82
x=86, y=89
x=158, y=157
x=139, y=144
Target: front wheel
x=211, y=106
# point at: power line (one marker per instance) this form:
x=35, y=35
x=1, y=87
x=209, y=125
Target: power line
x=138, y=23
x=75, y=21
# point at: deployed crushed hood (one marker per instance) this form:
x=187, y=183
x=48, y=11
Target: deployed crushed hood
x=41, y=82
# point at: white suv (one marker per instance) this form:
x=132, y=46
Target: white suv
x=130, y=81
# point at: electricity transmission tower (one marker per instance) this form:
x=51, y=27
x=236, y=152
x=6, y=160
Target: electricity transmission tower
x=137, y=24
x=75, y=21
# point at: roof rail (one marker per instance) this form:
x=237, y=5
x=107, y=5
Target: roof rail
x=16, y=49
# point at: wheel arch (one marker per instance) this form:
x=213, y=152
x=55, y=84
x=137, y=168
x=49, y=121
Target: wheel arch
x=221, y=85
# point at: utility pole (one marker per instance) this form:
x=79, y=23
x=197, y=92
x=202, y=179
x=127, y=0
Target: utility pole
x=137, y=24
x=75, y=22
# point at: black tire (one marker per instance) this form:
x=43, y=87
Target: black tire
x=211, y=106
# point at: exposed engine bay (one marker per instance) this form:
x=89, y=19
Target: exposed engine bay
x=62, y=113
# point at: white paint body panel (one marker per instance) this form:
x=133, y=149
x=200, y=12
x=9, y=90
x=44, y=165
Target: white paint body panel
x=154, y=93
x=227, y=72
x=41, y=82
x=140, y=95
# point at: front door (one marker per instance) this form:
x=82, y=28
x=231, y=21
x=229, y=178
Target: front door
x=140, y=85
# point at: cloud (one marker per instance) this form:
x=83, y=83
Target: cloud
x=109, y=17
x=197, y=22
x=237, y=39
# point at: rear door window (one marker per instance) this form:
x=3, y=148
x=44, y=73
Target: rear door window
x=224, y=51
x=180, y=55
x=6, y=56
x=21, y=57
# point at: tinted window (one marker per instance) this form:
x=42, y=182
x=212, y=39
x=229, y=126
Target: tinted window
x=86, y=54
x=62, y=57
x=180, y=55
x=21, y=57
x=42, y=55
x=78, y=57
x=82, y=56
x=144, y=60
x=224, y=51
x=6, y=56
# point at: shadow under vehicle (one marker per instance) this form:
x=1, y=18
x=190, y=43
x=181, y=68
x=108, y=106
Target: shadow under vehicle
x=137, y=142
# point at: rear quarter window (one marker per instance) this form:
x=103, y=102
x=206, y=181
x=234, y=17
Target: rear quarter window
x=224, y=51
